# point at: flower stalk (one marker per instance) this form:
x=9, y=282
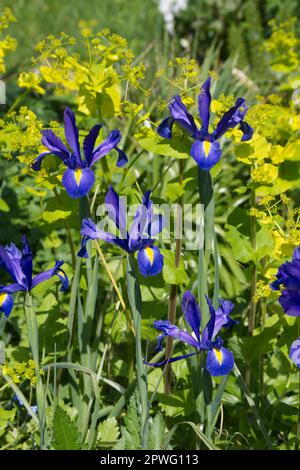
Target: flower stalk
x=33, y=339
x=173, y=288
x=135, y=300
x=253, y=303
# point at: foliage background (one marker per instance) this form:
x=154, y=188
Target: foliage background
x=232, y=38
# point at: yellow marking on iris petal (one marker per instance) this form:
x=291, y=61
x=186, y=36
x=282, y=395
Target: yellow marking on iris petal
x=219, y=355
x=78, y=175
x=3, y=298
x=150, y=254
x=206, y=146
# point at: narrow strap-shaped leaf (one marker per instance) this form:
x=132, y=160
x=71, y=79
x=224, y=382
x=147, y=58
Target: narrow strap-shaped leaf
x=253, y=407
x=135, y=300
x=208, y=442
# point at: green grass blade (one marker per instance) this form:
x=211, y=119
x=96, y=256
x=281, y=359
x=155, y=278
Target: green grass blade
x=253, y=407
x=135, y=300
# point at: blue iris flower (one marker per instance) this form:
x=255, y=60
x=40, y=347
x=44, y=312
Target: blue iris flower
x=288, y=279
x=295, y=352
x=18, y=264
x=139, y=238
x=206, y=149
x=219, y=360
x=79, y=178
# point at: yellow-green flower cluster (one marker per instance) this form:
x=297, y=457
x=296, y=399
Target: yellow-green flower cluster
x=30, y=81
x=282, y=46
x=7, y=43
x=20, y=371
x=96, y=81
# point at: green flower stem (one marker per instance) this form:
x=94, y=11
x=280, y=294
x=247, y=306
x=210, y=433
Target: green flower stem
x=18, y=101
x=261, y=359
x=68, y=232
x=85, y=212
x=2, y=352
x=110, y=275
x=206, y=194
x=135, y=300
x=173, y=288
x=253, y=304
x=103, y=161
x=3, y=320
x=33, y=339
x=202, y=381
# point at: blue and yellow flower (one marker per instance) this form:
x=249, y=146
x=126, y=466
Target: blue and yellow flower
x=288, y=282
x=18, y=264
x=139, y=237
x=219, y=360
x=79, y=178
x=288, y=279
x=205, y=150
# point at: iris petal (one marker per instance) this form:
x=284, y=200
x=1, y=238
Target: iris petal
x=139, y=229
x=223, y=316
x=290, y=302
x=191, y=312
x=26, y=262
x=6, y=303
x=90, y=231
x=106, y=146
x=150, y=261
x=247, y=131
x=204, y=100
x=165, y=128
x=181, y=115
x=10, y=260
x=13, y=288
x=156, y=225
x=296, y=254
x=210, y=326
x=71, y=133
x=54, y=144
x=206, y=154
x=231, y=118
x=78, y=182
x=37, y=164
x=116, y=210
x=55, y=271
x=122, y=158
x=89, y=142
x=171, y=330
x=160, y=340
x=219, y=361
x=295, y=352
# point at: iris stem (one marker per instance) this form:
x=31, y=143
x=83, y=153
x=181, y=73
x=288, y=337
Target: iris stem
x=135, y=300
x=18, y=101
x=253, y=304
x=173, y=288
x=261, y=359
x=85, y=211
x=206, y=195
x=33, y=339
x=68, y=232
x=207, y=249
x=110, y=275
